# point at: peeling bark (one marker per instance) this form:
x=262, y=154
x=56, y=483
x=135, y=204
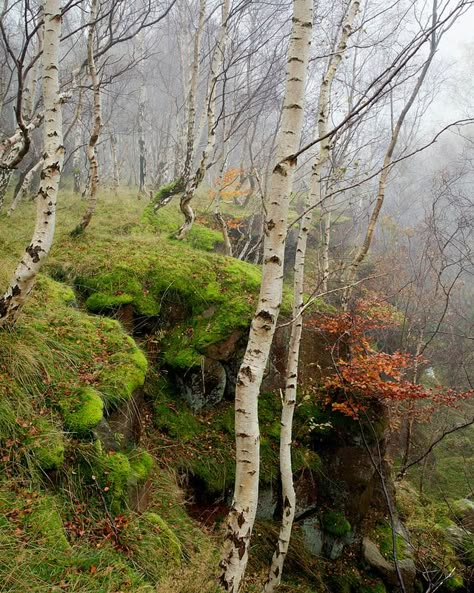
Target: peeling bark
x=242, y=515
x=25, y=274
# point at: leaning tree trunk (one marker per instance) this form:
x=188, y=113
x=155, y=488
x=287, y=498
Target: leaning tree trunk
x=289, y=398
x=96, y=128
x=25, y=274
x=25, y=186
x=12, y=152
x=192, y=183
x=364, y=248
x=242, y=514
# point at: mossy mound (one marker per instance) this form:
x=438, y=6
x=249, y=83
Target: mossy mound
x=82, y=410
x=335, y=523
x=211, y=295
x=47, y=445
x=204, y=443
x=167, y=221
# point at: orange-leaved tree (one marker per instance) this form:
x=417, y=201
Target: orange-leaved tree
x=364, y=373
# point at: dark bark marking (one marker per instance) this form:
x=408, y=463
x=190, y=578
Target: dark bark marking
x=265, y=316
x=34, y=252
x=274, y=259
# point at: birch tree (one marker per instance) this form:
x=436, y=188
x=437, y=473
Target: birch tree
x=25, y=274
x=243, y=510
x=96, y=127
x=192, y=182
x=14, y=147
x=289, y=398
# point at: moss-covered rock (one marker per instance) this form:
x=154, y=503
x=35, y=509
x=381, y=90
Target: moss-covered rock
x=82, y=410
x=335, y=523
x=382, y=535
x=123, y=376
x=141, y=464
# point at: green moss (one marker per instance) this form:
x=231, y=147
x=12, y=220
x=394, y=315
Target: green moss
x=167, y=534
x=141, y=464
x=113, y=476
x=155, y=546
x=372, y=587
x=47, y=446
x=212, y=295
x=335, y=523
x=455, y=583
x=45, y=522
x=178, y=422
x=82, y=410
x=383, y=537
x=100, y=302
x=124, y=374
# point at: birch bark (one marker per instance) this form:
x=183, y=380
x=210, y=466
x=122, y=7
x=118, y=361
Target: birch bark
x=25, y=274
x=96, y=128
x=192, y=183
x=289, y=398
x=242, y=514
x=25, y=186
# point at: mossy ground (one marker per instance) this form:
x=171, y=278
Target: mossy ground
x=65, y=524
x=64, y=369
x=204, y=443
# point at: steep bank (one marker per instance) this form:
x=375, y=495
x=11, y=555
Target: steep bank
x=97, y=436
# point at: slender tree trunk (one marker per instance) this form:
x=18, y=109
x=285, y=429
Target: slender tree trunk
x=142, y=100
x=25, y=186
x=217, y=213
x=12, y=152
x=76, y=157
x=289, y=398
x=242, y=514
x=25, y=274
x=115, y=166
x=327, y=224
x=142, y=164
x=96, y=128
x=191, y=184
x=364, y=248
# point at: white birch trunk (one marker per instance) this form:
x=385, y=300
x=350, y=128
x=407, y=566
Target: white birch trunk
x=30, y=90
x=25, y=186
x=115, y=165
x=76, y=157
x=12, y=151
x=289, y=398
x=217, y=213
x=24, y=276
x=191, y=184
x=242, y=514
x=96, y=127
x=191, y=121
